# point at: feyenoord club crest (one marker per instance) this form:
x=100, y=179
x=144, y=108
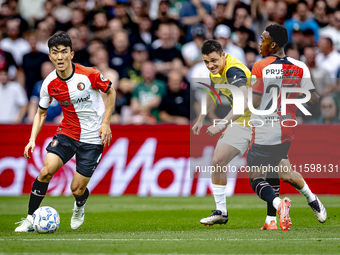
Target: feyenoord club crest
x=80, y=86
x=54, y=143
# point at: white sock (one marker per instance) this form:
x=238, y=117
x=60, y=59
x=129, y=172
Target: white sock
x=307, y=193
x=276, y=202
x=219, y=195
x=30, y=218
x=269, y=219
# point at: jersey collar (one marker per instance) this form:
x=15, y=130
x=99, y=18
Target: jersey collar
x=68, y=78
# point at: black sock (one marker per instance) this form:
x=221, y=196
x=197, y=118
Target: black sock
x=80, y=201
x=38, y=193
x=274, y=182
x=263, y=190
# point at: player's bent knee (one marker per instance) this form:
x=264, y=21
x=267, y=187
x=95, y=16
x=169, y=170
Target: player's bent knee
x=77, y=192
x=45, y=174
x=287, y=180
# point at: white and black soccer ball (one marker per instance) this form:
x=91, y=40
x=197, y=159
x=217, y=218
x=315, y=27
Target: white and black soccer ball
x=46, y=220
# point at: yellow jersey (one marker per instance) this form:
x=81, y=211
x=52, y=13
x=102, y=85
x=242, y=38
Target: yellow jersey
x=237, y=74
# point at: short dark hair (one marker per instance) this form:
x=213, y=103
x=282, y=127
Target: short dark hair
x=60, y=38
x=278, y=34
x=210, y=46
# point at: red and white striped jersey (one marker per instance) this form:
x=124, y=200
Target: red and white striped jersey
x=82, y=105
x=270, y=73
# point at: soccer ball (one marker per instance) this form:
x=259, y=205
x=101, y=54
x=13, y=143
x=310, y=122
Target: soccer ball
x=46, y=220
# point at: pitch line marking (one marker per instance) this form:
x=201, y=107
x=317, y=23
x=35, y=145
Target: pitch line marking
x=168, y=239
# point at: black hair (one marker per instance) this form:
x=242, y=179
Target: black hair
x=278, y=34
x=302, y=2
x=60, y=38
x=210, y=46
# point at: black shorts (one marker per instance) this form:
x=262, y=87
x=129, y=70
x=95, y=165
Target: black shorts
x=88, y=155
x=267, y=155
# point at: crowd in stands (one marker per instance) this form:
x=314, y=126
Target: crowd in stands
x=150, y=50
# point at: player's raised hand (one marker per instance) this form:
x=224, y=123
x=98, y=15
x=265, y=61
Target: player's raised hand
x=29, y=146
x=197, y=127
x=105, y=134
x=213, y=130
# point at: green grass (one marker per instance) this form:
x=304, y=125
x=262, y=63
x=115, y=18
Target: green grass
x=130, y=225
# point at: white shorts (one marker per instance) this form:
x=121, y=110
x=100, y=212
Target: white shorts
x=237, y=136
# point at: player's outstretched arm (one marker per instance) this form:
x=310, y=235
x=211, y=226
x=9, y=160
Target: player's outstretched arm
x=105, y=131
x=199, y=123
x=215, y=129
x=38, y=123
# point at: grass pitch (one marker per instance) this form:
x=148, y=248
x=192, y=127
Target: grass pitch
x=134, y=225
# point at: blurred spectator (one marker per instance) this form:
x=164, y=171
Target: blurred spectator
x=120, y=56
x=115, y=25
x=131, y=76
x=137, y=10
x=175, y=105
x=144, y=35
x=100, y=61
x=61, y=12
x=14, y=13
x=147, y=96
x=122, y=15
x=308, y=38
x=15, y=44
x=54, y=113
x=251, y=58
x=93, y=45
x=46, y=11
x=281, y=11
x=219, y=13
x=328, y=57
x=44, y=32
x=301, y=21
x=329, y=111
x=293, y=52
x=244, y=40
x=191, y=51
x=100, y=25
x=210, y=24
x=81, y=56
x=262, y=11
x=193, y=11
x=31, y=64
x=13, y=100
x=320, y=76
x=320, y=12
x=240, y=19
x=7, y=62
x=163, y=15
x=222, y=34
x=333, y=32
x=167, y=51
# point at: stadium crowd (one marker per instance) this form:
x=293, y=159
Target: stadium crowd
x=150, y=49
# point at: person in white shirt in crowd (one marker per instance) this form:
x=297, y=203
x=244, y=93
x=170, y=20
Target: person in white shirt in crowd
x=329, y=57
x=15, y=44
x=191, y=50
x=13, y=100
x=222, y=35
x=333, y=32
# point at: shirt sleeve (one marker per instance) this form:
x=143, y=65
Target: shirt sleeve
x=101, y=83
x=45, y=98
x=236, y=77
x=256, y=82
x=306, y=81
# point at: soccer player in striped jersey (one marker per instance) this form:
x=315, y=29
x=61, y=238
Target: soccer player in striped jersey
x=84, y=131
x=271, y=141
